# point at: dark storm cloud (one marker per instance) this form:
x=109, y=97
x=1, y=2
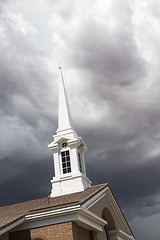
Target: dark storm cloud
x=23, y=124
x=124, y=145
x=114, y=96
x=33, y=179
x=140, y=181
x=21, y=77
x=110, y=55
x=115, y=62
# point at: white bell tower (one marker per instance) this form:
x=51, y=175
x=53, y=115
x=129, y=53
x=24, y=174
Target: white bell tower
x=68, y=152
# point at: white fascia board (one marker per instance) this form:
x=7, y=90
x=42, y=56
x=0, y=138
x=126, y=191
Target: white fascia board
x=88, y=223
x=53, y=212
x=11, y=226
x=41, y=222
x=117, y=211
x=120, y=233
x=93, y=218
x=83, y=217
x=95, y=199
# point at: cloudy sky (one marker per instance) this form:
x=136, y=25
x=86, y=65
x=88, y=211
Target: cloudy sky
x=110, y=53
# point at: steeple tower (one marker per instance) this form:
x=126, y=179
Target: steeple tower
x=68, y=152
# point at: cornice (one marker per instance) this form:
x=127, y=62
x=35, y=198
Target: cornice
x=76, y=213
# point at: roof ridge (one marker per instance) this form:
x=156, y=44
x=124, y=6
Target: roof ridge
x=6, y=205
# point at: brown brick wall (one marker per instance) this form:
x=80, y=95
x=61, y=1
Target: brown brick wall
x=61, y=231
x=4, y=236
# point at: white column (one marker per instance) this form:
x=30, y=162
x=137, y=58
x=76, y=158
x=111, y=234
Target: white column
x=56, y=164
x=74, y=160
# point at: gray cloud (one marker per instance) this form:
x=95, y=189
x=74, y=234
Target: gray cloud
x=110, y=55
x=22, y=179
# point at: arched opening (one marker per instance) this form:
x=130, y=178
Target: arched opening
x=106, y=215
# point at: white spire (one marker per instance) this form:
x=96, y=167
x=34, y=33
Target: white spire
x=64, y=115
x=68, y=152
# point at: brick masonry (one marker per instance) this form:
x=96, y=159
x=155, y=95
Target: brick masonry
x=52, y=232
x=63, y=231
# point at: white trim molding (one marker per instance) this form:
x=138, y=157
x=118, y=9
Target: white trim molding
x=83, y=217
x=95, y=199
x=106, y=192
x=12, y=225
x=119, y=234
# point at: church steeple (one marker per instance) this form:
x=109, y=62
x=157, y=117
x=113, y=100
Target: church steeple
x=68, y=152
x=64, y=115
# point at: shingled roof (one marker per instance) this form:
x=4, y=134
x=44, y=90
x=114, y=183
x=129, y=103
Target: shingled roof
x=14, y=212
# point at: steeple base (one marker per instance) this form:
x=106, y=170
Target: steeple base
x=69, y=184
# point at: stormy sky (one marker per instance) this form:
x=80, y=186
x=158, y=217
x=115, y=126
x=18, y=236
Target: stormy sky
x=109, y=52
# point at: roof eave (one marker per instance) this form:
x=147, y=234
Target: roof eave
x=75, y=213
x=7, y=227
